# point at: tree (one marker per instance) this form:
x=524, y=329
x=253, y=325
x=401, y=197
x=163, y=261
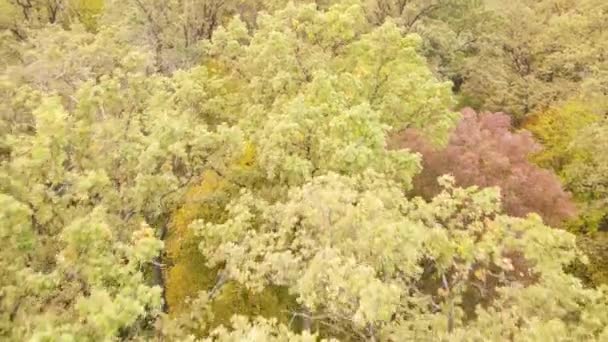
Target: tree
x=365, y=262
x=585, y=174
x=450, y=29
x=20, y=16
x=318, y=239
x=82, y=182
x=483, y=151
x=556, y=128
x=171, y=29
x=305, y=88
x=540, y=54
x=175, y=30
x=306, y=120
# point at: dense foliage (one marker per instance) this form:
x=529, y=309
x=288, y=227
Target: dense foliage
x=484, y=151
x=226, y=170
x=540, y=53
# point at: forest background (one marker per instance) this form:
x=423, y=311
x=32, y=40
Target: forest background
x=272, y=170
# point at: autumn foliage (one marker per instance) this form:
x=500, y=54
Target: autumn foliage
x=483, y=150
x=218, y=170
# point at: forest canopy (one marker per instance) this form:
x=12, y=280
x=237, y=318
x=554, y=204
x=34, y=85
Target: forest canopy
x=338, y=170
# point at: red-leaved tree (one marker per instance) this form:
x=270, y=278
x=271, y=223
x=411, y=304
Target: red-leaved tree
x=483, y=151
